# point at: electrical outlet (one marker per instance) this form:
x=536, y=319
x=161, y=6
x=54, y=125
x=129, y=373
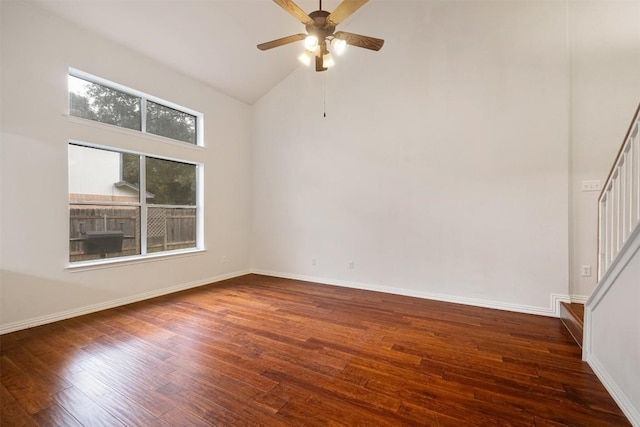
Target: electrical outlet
x=351, y=265
x=591, y=185
x=313, y=261
x=224, y=259
x=585, y=270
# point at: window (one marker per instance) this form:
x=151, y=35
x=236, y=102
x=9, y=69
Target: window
x=96, y=99
x=126, y=204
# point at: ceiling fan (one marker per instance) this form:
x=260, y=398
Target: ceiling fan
x=321, y=32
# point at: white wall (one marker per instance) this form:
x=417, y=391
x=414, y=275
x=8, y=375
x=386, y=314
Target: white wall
x=37, y=50
x=605, y=92
x=441, y=168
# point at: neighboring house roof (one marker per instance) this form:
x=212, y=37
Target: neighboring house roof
x=133, y=187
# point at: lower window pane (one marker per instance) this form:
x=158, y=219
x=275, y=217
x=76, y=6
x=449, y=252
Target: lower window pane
x=169, y=229
x=97, y=232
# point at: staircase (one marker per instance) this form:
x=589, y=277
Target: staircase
x=618, y=224
x=611, y=344
x=572, y=316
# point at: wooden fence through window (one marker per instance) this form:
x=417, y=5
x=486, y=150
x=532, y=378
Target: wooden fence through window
x=167, y=229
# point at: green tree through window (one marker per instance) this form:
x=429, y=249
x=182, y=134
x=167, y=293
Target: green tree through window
x=171, y=183
x=171, y=123
x=103, y=104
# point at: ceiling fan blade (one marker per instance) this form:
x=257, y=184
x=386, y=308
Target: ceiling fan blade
x=294, y=10
x=358, y=40
x=344, y=10
x=281, y=42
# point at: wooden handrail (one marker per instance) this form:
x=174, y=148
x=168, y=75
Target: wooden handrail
x=609, y=215
x=620, y=151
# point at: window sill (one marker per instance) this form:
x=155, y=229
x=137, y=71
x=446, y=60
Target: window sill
x=123, y=261
x=131, y=132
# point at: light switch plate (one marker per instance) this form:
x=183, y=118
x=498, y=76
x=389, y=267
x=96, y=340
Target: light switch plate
x=593, y=185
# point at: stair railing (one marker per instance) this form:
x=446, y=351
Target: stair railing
x=619, y=201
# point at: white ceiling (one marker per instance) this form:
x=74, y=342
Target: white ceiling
x=213, y=41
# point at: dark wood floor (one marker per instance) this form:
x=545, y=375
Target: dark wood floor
x=264, y=351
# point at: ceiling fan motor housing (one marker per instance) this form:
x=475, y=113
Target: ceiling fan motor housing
x=321, y=28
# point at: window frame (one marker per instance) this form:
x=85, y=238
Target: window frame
x=143, y=205
x=144, y=97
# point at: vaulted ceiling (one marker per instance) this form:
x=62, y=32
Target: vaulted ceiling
x=212, y=41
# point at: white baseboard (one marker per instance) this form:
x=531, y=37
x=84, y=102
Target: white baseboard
x=50, y=318
x=552, y=311
x=630, y=411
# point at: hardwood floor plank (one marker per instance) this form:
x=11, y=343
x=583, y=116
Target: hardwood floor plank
x=305, y=407
x=11, y=412
x=28, y=390
x=127, y=332
x=54, y=416
x=178, y=417
x=248, y=373
x=567, y=412
x=25, y=361
x=258, y=350
x=136, y=367
x=270, y=401
x=84, y=409
x=150, y=399
x=435, y=395
x=213, y=407
x=115, y=403
x=341, y=388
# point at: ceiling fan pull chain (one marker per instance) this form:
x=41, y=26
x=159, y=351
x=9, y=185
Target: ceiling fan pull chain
x=324, y=96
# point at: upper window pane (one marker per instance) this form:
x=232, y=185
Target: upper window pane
x=169, y=122
x=170, y=183
x=94, y=98
x=100, y=103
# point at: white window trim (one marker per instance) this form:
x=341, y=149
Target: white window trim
x=129, y=132
x=199, y=207
x=144, y=97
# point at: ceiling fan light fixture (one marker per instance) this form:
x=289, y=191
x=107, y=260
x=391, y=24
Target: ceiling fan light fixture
x=327, y=60
x=311, y=43
x=338, y=45
x=306, y=57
